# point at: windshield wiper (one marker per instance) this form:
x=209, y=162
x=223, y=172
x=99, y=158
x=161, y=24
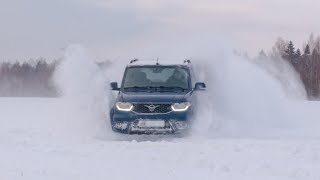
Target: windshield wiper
x=168, y=88
x=135, y=88
x=155, y=88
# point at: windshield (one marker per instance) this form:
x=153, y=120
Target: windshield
x=159, y=77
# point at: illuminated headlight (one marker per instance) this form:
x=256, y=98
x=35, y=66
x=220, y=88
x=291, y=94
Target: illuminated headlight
x=180, y=107
x=124, y=106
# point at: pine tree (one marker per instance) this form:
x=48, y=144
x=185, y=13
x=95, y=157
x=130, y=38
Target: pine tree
x=298, y=53
x=262, y=53
x=290, y=50
x=307, y=50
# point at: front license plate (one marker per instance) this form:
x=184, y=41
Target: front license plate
x=151, y=124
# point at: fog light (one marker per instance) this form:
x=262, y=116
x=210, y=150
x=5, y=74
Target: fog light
x=121, y=125
x=181, y=125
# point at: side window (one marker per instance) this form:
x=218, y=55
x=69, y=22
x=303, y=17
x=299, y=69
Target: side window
x=192, y=76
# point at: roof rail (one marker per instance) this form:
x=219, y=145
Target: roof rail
x=187, y=61
x=133, y=60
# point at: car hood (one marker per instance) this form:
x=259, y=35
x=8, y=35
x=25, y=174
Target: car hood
x=153, y=97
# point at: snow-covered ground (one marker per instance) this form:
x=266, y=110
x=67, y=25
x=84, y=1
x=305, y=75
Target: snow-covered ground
x=253, y=123
x=39, y=141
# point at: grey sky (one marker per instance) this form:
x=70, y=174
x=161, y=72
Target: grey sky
x=114, y=28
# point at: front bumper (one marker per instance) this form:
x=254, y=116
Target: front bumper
x=128, y=122
x=170, y=127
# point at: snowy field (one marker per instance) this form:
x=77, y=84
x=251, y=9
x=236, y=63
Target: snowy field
x=252, y=123
x=38, y=141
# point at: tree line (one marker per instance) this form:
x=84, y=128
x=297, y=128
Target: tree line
x=305, y=61
x=32, y=78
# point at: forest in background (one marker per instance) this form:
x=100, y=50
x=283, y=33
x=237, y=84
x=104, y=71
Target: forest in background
x=33, y=78
x=305, y=61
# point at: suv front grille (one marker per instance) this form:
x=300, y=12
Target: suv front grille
x=152, y=108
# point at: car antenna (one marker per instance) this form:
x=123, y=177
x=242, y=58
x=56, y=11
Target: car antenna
x=157, y=61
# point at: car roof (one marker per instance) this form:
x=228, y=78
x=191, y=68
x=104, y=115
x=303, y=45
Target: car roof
x=136, y=62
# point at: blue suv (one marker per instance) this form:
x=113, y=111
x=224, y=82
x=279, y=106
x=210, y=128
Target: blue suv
x=155, y=98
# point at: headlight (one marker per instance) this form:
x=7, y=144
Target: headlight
x=124, y=106
x=180, y=107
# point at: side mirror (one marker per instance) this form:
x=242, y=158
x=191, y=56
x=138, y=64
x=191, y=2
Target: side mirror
x=114, y=86
x=199, y=86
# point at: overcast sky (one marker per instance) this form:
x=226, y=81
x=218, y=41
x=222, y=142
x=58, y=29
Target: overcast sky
x=120, y=28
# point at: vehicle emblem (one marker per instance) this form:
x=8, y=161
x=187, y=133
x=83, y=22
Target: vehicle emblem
x=151, y=107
